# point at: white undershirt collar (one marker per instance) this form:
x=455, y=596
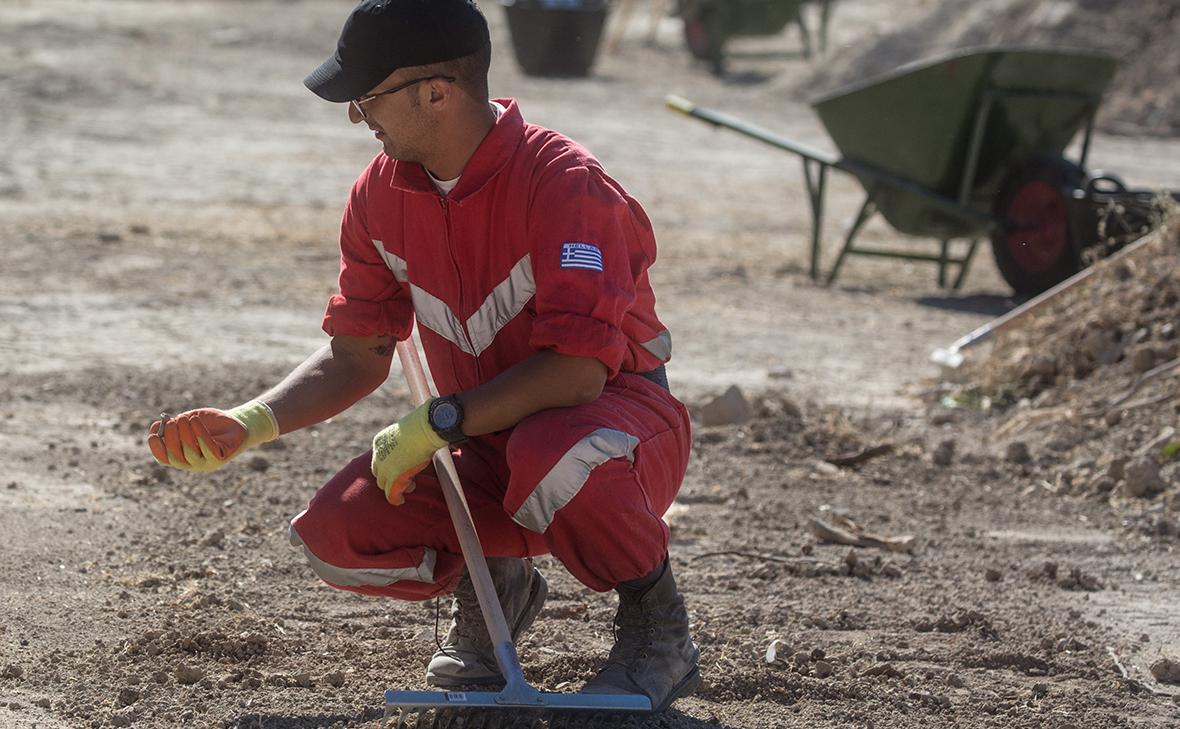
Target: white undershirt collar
x=445, y=186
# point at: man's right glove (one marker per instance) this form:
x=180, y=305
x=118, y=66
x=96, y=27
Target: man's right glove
x=206, y=439
x=401, y=451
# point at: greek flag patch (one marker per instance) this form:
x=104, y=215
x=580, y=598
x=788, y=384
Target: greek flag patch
x=581, y=255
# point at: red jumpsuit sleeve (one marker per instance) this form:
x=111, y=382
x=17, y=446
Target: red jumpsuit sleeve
x=585, y=242
x=371, y=301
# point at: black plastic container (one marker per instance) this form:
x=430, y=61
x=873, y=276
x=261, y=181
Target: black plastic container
x=555, y=37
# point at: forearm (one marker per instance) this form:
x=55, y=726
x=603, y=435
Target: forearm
x=545, y=380
x=327, y=383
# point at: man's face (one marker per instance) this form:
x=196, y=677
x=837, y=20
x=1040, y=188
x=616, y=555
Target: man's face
x=394, y=111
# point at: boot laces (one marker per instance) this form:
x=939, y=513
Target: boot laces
x=463, y=628
x=466, y=616
x=634, y=630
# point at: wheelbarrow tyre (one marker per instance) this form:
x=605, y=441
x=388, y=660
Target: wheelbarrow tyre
x=1035, y=245
x=704, y=34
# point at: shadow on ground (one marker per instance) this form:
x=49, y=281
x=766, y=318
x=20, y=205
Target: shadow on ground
x=989, y=304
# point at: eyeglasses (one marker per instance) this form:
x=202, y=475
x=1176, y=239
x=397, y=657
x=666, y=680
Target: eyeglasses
x=366, y=99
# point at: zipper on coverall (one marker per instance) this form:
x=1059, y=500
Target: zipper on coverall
x=444, y=203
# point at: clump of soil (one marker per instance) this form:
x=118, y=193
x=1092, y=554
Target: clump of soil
x=1118, y=325
x=1085, y=392
x=1143, y=98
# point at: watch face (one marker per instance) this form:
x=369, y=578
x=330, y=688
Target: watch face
x=445, y=415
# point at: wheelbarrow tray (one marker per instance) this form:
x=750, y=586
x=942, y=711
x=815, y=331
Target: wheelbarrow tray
x=922, y=123
x=754, y=17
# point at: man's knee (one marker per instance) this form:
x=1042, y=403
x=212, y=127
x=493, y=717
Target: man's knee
x=550, y=461
x=349, y=549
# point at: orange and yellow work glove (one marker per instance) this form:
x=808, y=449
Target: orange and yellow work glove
x=206, y=439
x=402, y=450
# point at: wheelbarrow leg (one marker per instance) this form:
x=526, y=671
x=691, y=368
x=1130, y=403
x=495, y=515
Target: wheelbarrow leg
x=804, y=32
x=866, y=211
x=965, y=264
x=825, y=14
x=943, y=260
x=816, y=185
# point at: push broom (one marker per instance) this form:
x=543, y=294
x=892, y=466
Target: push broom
x=518, y=701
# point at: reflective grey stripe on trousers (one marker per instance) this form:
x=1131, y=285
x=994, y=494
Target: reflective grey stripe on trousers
x=569, y=474
x=355, y=577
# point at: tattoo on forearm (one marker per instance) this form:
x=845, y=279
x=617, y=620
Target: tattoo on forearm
x=385, y=346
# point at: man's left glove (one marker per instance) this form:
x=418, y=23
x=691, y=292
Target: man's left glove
x=402, y=450
x=205, y=439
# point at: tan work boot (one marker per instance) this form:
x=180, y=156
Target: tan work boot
x=467, y=657
x=653, y=654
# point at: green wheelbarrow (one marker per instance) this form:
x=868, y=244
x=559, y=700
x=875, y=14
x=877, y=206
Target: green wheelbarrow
x=708, y=24
x=970, y=145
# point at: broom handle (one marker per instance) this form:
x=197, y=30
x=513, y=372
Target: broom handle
x=477, y=566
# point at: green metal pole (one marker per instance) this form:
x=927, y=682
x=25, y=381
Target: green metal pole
x=815, y=191
x=866, y=211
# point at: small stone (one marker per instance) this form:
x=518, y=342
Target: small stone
x=802, y=658
x=188, y=675
x=729, y=408
x=334, y=679
x=160, y=677
x=1166, y=670
x=944, y=453
x=851, y=558
x=43, y=703
x=1040, y=690
x=1141, y=478
x=302, y=680
x=823, y=669
x=883, y=669
x=954, y=680
x=214, y=538
x=1102, y=486
x=109, y=237
x=1117, y=468
x=258, y=463
x=127, y=696
x=1142, y=358
x=1017, y=452
x=991, y=574
x=12, y=671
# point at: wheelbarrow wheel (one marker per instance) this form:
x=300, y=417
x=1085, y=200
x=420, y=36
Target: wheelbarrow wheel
x=703, y=34
x=1035, y=245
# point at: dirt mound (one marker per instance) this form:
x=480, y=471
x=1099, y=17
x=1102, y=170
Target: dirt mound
x=1086, y=389
x=1143, y=98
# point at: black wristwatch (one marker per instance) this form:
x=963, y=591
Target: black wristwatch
x=446, y=417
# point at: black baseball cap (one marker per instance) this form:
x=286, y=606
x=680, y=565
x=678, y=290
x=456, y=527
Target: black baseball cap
x=381, y=36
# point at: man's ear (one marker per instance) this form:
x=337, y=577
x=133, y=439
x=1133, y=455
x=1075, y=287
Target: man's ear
x=440, y=93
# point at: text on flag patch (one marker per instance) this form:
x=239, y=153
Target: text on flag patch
x=581, y=255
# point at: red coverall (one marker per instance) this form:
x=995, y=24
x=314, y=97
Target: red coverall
x=535, y=248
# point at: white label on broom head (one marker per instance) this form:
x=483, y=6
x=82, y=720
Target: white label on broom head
x=456, y=696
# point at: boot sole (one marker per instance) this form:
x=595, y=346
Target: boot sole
x=687, y=686
x=537, y=596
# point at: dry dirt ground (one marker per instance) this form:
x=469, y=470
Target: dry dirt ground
x=168, y=200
